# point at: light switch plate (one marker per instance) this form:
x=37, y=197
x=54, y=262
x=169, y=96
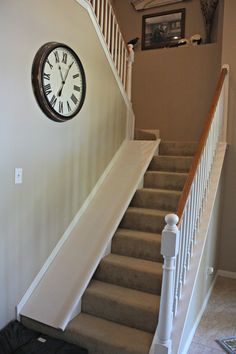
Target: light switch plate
x=18, y=175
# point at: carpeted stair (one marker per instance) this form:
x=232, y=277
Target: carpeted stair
x=121, y=304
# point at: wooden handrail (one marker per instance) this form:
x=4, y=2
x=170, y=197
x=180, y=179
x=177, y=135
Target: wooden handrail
x=200, y=148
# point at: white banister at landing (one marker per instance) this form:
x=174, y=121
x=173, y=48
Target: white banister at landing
x=121, y=56
x=55, y=300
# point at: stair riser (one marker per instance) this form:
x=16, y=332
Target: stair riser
x=156, y=200
x=153, y=180
x=142, y=222
x=170, y=164
x=142, y=248
x=131, y=316
x=130, y=278
x=177, y=149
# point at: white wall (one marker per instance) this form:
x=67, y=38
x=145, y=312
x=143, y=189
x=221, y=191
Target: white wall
x=61, y=161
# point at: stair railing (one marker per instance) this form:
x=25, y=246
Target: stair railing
x=121, y=55
x=179, y=235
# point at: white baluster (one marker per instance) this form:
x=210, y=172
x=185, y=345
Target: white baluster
x=116, y=46
x=122, y=61
x=109, y=29
x=129, y=69
x=98, y=10
x=225, y=94
x=119, y=54
x=169, y=250
x=184, y=226
x=186, y=215
x=102, y=15
x=125, y=68
x=178, y=267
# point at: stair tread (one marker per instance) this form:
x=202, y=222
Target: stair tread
x=138, y=234
x=187, y=148
x=173, y=156
x=115, y=338
x=126, y=296
x=134, y=263
x=137, y=244
x=172, y=173
x=160, y=190
x=147, y=211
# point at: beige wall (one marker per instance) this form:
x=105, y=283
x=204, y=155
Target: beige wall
x=172, y=88
x=228, y=239
x=61, y=161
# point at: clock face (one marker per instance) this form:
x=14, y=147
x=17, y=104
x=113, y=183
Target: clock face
x=59, y=81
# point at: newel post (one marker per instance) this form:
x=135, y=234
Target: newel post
x=169, y=250
x=129, y=69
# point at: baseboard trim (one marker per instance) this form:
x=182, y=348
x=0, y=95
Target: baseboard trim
x=65, y=236
x=226, y=274
x=198, y=319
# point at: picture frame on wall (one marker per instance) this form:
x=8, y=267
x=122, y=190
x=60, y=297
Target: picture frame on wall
x=163, y=29
x=140, y=5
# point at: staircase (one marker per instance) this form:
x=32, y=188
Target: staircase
x=120, y=306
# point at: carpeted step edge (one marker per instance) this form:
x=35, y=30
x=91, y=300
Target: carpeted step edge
x=130, y=272
x=121, y=305
x=138, y=244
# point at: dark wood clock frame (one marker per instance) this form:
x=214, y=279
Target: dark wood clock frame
x=37, y=81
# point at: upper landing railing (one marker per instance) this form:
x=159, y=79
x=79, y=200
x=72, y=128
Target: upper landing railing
x=179, y=235
x=121, y=54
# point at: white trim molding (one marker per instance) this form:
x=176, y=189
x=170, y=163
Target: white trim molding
x=226, y=274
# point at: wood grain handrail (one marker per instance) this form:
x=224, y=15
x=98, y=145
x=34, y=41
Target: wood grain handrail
x=201, y=145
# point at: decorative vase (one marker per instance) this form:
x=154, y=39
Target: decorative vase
x=208, y=8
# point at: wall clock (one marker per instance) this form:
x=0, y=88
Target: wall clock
x=58, y=81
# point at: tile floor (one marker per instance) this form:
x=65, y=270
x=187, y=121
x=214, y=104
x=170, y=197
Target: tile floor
x=219, y=319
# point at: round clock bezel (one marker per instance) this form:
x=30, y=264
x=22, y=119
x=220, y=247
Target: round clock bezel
x=37, y=81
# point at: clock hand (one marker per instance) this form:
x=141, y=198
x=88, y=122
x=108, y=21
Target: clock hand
x=63, y=81
x=68, y=70
x=61, y=73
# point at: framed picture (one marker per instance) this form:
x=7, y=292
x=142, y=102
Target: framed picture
x=163, y=29
x=148, y=4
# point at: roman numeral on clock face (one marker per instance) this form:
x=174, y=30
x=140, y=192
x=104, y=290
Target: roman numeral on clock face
x=48, y=62
x=75, y=76
x=64, y=58
x=57, y=60
x=46, y=76
x=60, y=107
x=74, y=99
x=68, y=107
x=76, y=88
x=53, y=101
x=47, y=89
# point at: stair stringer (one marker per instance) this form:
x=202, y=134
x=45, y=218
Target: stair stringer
x=181, y=340
x=55, y=298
